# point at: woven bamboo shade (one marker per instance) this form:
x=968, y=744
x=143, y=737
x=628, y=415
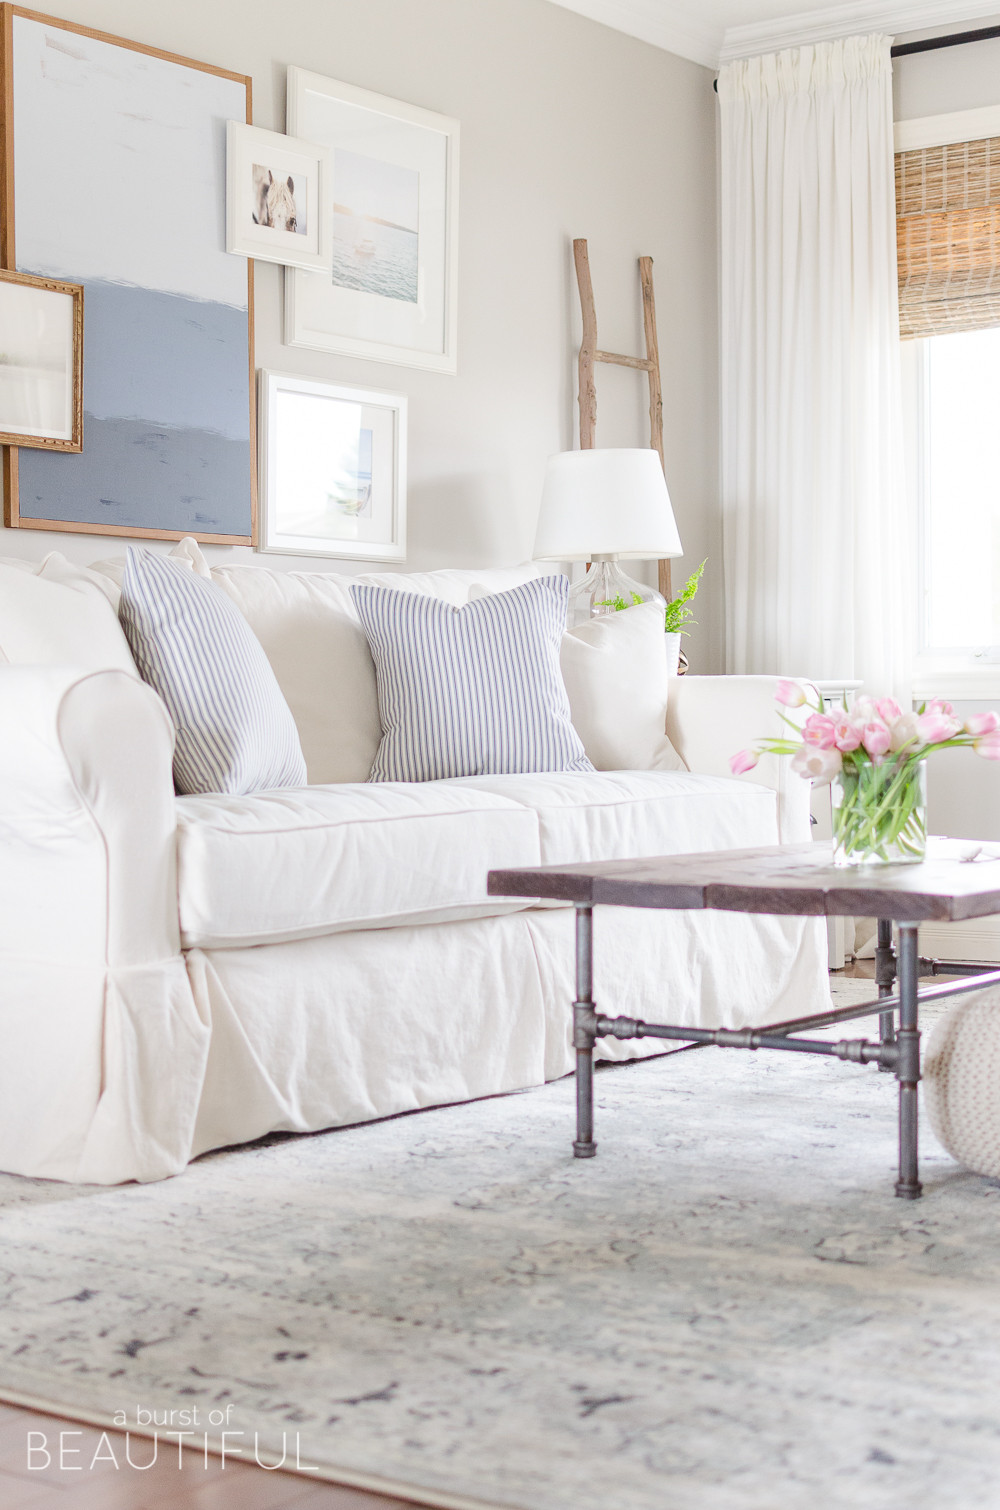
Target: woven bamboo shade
x=948, y=237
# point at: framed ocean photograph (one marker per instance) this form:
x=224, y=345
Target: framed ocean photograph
x=333, y=469
x=391, y=293
x=41, y=363
x=113, y=176
x=276, y=198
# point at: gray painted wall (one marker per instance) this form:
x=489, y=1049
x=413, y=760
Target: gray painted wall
x=949, y=78
x=568, y=129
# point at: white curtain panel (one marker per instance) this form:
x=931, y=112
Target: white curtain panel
x=818, y=552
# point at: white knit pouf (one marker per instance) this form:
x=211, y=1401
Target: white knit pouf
x=962, y=1081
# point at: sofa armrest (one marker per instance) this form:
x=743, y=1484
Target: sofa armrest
x=87, y=823
x=709, y=718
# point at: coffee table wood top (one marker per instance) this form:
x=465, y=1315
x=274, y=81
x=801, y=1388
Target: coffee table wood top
x=797, y=879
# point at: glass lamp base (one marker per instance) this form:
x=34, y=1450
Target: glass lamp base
x=607, y=589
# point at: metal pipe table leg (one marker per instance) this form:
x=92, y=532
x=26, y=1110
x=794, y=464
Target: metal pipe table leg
x=908, y=1064
x=584, y=1035
x=885, y=978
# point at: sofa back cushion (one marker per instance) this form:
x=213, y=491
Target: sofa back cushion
x=56, y=614
x=187, y=553
x=470, y=691
x=312, y=636
x=235, y=733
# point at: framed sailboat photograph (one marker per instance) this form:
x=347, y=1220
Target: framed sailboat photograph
x=391, y=292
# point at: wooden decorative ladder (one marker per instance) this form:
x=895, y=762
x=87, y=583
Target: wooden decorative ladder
x=649, y=364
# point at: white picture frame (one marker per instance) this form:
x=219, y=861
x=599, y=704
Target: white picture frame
x=392, y=291
x=276, y=191
x=332, y=469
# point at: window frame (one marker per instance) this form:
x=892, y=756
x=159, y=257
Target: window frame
x=971, y=674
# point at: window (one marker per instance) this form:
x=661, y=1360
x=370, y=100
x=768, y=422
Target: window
x=957, y=475
x=948, y=239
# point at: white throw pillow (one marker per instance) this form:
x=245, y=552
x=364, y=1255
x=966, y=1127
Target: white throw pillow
x=56, y=614
x=615, y=670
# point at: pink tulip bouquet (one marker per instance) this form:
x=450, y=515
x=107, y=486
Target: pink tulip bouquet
x=875, y=756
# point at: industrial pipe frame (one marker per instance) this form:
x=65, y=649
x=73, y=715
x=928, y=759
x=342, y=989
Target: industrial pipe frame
x=895, y=1051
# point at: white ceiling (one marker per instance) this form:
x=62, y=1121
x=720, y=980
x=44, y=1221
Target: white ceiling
x=714, y=31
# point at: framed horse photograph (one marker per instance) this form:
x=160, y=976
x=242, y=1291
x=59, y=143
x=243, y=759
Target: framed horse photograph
x=276, y=198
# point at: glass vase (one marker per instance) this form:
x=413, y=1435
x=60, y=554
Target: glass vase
x=879, y=812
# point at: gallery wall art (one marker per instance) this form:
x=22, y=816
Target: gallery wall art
x=333, y=469
x=41, y=363
x=276, y=206
x=113, y=170
x=392, y=292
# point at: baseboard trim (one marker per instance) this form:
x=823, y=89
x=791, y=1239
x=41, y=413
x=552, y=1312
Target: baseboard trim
x=976, y=941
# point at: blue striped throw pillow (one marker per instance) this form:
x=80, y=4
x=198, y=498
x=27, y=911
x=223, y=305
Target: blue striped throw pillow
x=470, y=691
x=235, y=733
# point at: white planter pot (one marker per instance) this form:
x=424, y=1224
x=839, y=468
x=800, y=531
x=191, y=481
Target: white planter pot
x=672, y=644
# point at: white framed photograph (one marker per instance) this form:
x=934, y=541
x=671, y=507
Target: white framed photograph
x=333, y=469
x=41, y=363
x=275, y=198
x=392, y=289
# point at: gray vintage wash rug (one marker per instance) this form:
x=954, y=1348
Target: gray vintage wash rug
x=726, y=1310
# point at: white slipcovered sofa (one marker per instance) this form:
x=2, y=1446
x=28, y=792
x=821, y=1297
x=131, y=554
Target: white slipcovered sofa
x=182, y=974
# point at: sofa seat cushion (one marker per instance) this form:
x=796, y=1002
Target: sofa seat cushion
x=611, y=815
x=296, y=863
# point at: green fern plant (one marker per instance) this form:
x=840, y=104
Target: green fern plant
x=679, y=611
x=618, y=602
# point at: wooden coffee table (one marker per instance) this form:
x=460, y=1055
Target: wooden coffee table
x=797, y=880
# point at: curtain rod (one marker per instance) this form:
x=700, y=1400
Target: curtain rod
x=930, y=44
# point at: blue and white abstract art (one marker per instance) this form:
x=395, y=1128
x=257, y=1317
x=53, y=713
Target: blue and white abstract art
x=120, y=184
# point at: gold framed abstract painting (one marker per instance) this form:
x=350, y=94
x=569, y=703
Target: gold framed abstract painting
x=169, y=444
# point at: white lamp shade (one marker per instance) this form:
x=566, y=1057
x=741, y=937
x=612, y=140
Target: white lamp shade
x=605, y=503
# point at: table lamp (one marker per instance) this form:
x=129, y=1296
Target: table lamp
x=603, y=506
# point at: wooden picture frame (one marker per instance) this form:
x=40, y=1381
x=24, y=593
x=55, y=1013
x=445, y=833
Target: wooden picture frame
x=49, y=415
x=392, y=295
x=169, y=406
x=333, y=469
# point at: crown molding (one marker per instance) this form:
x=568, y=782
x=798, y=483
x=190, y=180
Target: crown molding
x=832, y=21
x=685, y=29
x=658, y=22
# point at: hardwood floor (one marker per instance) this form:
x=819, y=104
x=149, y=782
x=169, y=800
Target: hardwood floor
x=164, y=1486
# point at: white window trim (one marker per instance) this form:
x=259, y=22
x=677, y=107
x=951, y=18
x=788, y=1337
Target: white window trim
x=938, y=130
x=951, y=675
x=958, y=686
